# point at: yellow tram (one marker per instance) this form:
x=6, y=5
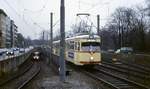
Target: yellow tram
x=81, y=50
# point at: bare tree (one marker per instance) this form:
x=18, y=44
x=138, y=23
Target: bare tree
x=127, y=28
x=123, y=20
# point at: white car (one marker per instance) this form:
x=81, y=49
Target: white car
x=125, y=50
x=21, y=50
x=9, y=52
x=2, y=51
x=118, y=51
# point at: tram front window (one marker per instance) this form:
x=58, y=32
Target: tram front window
x=90, y=46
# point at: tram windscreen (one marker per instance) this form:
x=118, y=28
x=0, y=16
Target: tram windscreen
x=90, y=46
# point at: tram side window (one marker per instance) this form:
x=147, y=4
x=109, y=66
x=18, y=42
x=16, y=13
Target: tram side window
x=67, y=45
x=71, y=45
x=57, y=45
x=54, y=45
x=77, y=46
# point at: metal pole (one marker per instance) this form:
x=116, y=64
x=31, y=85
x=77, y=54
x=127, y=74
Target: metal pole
x=98, y=24
x=98, y=31
x=51, y=34
x=119, y=32
x=62, y=66
x=43, y=37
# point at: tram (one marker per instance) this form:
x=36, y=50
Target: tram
x=81, y=49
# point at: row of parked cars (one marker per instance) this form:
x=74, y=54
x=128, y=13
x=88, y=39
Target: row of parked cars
x=11, y=51
x=124, y=50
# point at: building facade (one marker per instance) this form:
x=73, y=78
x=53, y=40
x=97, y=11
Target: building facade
x=8, y=31
x=3, y=16
x=13, y=34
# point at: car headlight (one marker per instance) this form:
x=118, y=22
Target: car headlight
x=11, y=52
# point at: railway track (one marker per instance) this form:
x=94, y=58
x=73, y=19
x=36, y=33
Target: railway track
x=140, y=67
x=26, y=69
x=126, y=70
x=132, y=67
x=30, y=78
x=20, y=81
x=114, y=81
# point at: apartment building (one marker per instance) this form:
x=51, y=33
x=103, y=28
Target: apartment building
x=13, y=34
x=3, y=27
x=8, y=31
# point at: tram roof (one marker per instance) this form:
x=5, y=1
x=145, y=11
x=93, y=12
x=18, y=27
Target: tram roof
x=78, y=37
x=82, y=37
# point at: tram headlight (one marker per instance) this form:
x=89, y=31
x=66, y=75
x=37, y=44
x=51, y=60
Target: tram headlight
x=36, y=57
x=92, y=58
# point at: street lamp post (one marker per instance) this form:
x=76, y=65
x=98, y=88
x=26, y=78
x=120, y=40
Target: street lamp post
x=62, y=67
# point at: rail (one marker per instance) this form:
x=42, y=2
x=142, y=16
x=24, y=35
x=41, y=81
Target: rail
x=114, y=81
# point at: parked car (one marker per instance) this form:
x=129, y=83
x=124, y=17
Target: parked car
x=21, y=50
x=111, y=51
x=125, y=50
x=3, y=51
x=15, y=49
x=117, y=51
x=9, y=52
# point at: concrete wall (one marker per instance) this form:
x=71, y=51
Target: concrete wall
x=12, y=63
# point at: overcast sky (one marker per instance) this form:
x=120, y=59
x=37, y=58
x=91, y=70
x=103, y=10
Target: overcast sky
x=32, y=16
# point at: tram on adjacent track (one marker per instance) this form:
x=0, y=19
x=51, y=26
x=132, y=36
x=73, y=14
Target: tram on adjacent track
x=81, y=50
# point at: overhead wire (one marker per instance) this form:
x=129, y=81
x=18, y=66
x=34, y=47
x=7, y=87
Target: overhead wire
x=12, y=8
x=93, y=5
x=56, y=23
x=17, y=13
x=23, y=19
x=37, y=24
x=40, y=10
